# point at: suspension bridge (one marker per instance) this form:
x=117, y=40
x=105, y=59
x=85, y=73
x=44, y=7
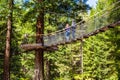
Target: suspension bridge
x=93, y=25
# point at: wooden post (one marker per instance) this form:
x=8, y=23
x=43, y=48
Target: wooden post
x=39, y=60
x=6, y=73
x=47, y=73
x=81, y=56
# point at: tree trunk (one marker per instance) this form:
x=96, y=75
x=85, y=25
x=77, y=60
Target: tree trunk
x=6, y=73
x=39, y=61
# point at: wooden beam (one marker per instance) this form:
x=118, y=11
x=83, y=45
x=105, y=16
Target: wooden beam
x=53, y=48
x=96, y=32
x=114, y=24
x=31, y=46
x=85, y=36
x=104, y=29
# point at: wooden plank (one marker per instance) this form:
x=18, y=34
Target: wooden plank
x=96, y=32
x=79, y=38
x=114, y=24
x=86, y=36
x=67, y=42
x=104, y=29
x=31, y=46
x=73, y=40
x=53, y=48
x=62, y=43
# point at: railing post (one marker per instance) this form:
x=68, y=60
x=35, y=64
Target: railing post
x=81, y=57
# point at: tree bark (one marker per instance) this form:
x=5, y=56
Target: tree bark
x=39, y=60
x=6, y=72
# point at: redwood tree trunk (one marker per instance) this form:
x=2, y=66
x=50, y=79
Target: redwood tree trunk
x=6, y=75
x=39, y=61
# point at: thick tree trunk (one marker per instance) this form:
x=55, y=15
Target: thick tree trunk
x=6, y=75
x=39, y=61
x=39, y=66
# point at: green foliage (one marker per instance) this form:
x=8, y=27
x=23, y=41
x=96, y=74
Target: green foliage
x=101, y=53
x=96, y=62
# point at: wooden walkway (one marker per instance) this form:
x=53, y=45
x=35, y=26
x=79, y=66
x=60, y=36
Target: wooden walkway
x=35, y=46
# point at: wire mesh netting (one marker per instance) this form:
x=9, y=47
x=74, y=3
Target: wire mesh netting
x=84, y=27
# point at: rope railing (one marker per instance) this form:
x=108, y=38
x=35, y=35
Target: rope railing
x=84, y=27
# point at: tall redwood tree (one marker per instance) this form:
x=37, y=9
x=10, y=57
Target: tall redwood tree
x=39, y=61
x=6, y=75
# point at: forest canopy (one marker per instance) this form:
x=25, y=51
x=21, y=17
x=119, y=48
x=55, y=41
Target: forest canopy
x=94, y=58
